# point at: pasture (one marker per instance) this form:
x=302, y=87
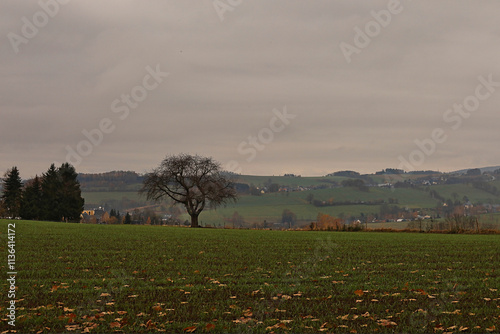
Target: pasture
x=118, y=278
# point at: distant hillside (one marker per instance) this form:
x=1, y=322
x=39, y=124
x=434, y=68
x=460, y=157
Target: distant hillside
x=386, y=195
x=483, y=169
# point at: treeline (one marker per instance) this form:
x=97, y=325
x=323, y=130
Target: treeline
x=319, y=203
x=356, y=183
x=55, y=196
x=110, y=181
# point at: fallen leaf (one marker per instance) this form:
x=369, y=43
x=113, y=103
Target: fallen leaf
x=150, y=324
x=190, y=329
x=210, y=327
x=115, y=325
x=386, y=323
x=358, y=292
x=72, y=327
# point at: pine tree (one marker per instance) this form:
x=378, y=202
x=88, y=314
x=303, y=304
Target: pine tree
x=71, y=195
x=31, y=204
x=51, y=185
x=128, y=219
x=12, y=192
x=62, y=196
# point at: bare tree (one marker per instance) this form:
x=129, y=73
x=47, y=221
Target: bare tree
x=194, y=181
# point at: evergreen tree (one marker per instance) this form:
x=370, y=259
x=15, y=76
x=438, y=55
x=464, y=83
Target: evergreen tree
x=61, y=199
x=51, y=185
x=71, y=206
x=12, y=192
x=128, y=219
x=31, y=204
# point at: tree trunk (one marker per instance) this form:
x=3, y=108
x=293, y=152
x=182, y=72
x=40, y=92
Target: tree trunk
x=194, y=221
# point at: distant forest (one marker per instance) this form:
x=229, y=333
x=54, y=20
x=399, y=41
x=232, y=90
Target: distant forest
x=111, y=181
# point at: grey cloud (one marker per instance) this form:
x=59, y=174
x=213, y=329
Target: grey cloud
x=227, y=77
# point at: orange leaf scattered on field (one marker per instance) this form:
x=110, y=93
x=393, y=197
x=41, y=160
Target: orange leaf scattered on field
x=386, y=323
x=358, y=292
x=210, y=327
x=248, y=313
x=115, y=325
x=150, y=324
x=278, y=325
x=190, y=329
x=157, y=308
x=70, y=328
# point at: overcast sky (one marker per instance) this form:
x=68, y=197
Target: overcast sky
x=264, y=87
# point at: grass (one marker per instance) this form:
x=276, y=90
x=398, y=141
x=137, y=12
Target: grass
x=458, y=191
x=101, y=279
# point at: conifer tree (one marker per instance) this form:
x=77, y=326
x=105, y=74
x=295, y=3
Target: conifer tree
x=31, y=204
x=51, y=185
x=61, y=194
x=71, y=206
x=12, y=192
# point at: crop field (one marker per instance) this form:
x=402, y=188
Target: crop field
x=124, y=278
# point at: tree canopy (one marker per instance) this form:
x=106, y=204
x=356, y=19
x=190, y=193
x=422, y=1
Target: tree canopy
x=191, y=180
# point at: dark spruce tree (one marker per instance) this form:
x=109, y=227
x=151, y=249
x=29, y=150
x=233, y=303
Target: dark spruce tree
x=72, y=203
x=31, y=203
x=61, y=199
x=128, y=219
x=51, y=203
x=12, y=192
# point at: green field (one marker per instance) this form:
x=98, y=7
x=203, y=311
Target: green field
x=270, y=206
x=105, y=278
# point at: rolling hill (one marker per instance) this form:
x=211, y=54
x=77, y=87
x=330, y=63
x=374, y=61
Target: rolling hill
x=407, y=194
